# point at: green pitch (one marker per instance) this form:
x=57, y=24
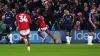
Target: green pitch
x=50, y=50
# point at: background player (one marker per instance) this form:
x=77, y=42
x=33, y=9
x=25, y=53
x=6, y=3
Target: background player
x=9, y=20
x=23, y=27
x=67, y=25
x=91, y=26
x=43, y=26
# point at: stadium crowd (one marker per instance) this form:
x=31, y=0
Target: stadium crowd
x=53, y=11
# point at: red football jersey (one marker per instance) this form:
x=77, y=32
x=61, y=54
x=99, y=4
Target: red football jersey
x=41, y=22
x=23, y=21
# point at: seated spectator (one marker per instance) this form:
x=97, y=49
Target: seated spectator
x=77, y=25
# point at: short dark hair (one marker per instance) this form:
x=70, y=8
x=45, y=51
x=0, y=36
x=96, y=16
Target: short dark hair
x=21, y=9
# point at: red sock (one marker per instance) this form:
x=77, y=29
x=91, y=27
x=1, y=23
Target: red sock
x=41, y=35
x=28, y=44
x=50, y=35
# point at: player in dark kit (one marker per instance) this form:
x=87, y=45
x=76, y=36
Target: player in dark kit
x=67, y=25
x=43, y=26
x=9, y=20
x=91, y=26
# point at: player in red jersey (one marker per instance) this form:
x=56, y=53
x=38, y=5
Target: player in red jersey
x=23, y=21
x=43, y=26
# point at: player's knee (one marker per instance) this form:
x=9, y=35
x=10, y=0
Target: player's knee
x=28, y=35
x=67, y=34
x=91, y=33
x=39, y=32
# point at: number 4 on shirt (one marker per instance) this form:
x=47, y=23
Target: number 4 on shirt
x=23, y=18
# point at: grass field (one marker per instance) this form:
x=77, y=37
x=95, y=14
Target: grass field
x=50, y=50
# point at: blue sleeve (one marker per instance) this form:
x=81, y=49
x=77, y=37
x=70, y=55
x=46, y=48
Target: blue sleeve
x=89, y=15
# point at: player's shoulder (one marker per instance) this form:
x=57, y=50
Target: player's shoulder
x=70, y=15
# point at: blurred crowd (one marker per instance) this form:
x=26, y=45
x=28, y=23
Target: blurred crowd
x=53, y=11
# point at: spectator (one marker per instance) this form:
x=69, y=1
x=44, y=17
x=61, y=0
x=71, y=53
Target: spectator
x=77, y=25
x=53, y=9
x=85, y=17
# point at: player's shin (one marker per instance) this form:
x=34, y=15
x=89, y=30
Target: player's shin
x=41, y=35
x=49, y=34
x=25, y=40
x=90, y=38
x=68, y=40
x=10, y=37
x=28, y=45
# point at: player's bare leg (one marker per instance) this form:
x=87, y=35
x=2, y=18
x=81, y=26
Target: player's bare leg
x=50, y=35
x=28, y=44
x=10, y=38
x=90, y=38
x=43, y=38
x=23, y=38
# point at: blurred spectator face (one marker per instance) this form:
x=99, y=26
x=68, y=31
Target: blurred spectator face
x=45, y=3
x=85, y=5
x=76, y=1
x=61, y=5
x=64, y=5
x=77, y=26
x=14, y=10
x=20, y=3
x=28, y=11
x=60, y=8
x=31, y=1
x=34, y=13
x=28, y=3
x=79, y=14
x=5, y=7
x=78, y=23
x=86, y=8
x=25, y=5
x=35, y=0
x=58, y=3
x=93, y=6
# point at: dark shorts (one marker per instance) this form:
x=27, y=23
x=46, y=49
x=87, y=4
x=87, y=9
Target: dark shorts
x=9, y=29
x=67, y=28
x=90, y=28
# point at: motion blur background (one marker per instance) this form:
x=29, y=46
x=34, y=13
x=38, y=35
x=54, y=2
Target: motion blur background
x=53, y=11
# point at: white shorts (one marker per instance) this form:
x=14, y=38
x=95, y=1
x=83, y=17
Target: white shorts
x=25, y=32
x=42, y=29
